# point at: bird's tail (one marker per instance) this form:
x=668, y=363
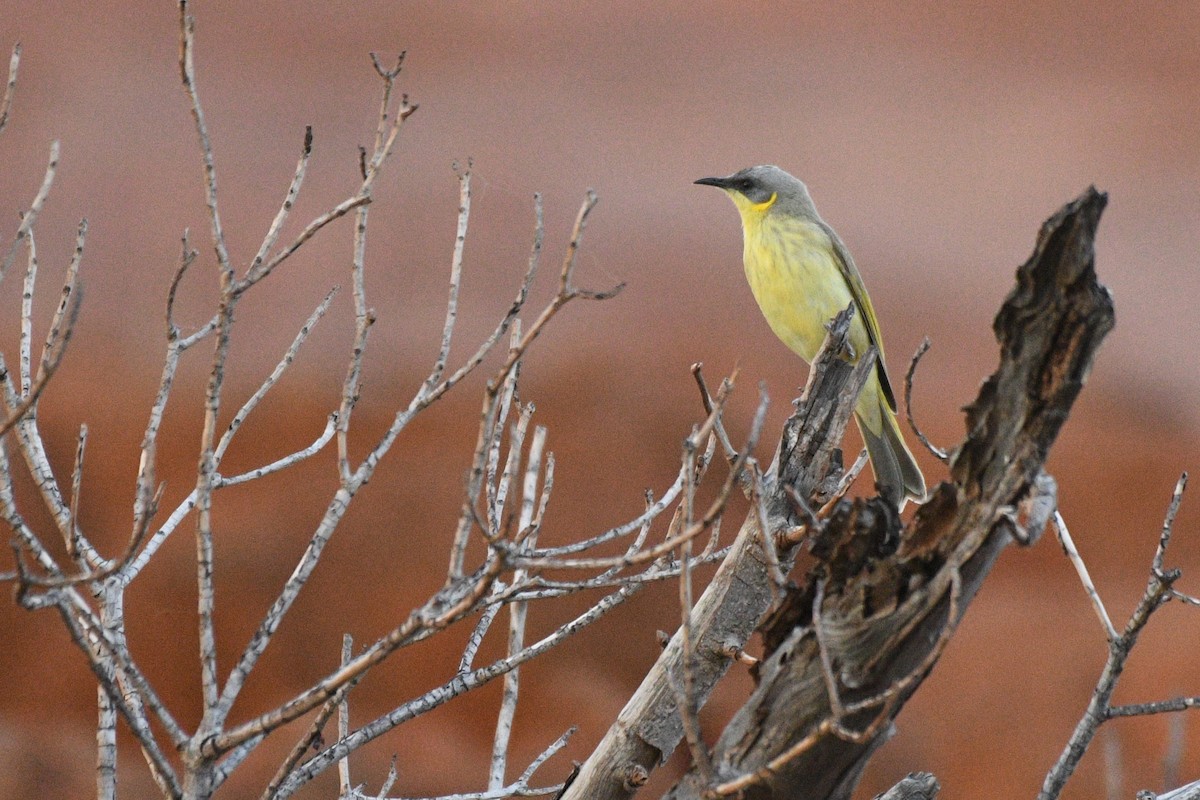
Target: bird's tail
x=896, y=472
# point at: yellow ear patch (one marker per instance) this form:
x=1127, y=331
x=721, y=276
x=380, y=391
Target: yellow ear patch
x=765, y=204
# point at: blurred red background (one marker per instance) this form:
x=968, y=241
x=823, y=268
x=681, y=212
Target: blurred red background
x=934, y=138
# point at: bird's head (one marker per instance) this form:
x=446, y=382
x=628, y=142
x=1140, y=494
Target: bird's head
x=758, y=190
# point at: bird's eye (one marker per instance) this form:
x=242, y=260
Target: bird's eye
x=745, y=185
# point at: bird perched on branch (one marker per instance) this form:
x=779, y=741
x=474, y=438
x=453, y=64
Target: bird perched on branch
x=802, y=275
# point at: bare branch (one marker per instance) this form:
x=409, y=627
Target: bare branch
x=460, y=241
x=1068, y=546
x=35, y=208
x=707, y=400
x=286, y=361
x=344, y=723
x=76, y=545
x=10, y=86
x=388, y=781
x=289, y=200
x=24, y=537
x=443, y=609
x=654, y=508
x=87, y=632
x=20, y=407
x=207, y=466
x=26, y=344
x=187, y=73
x=351, y=481
x=938, y=453
x=337, y=212
x=290, y=460
x=1168, y=525
x=1158, y=592
x=685, y=691
x=1159, y=707
x=480, y=631
x=135, y=565
x=106, y=747
x=144, y=485
x=517, y=615
x=312, y=740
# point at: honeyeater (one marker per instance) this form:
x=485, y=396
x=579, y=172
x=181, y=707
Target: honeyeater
x=802, y=275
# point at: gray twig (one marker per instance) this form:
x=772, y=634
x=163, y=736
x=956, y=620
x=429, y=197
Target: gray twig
x=1159, y=591
x=1068, y=546
x=938, y=453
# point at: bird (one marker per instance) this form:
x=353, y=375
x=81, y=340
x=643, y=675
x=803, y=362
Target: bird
x=801, y=275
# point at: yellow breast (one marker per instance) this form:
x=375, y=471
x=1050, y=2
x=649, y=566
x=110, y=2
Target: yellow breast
x=796, y=279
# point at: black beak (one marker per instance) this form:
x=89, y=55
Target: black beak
x=720, y=183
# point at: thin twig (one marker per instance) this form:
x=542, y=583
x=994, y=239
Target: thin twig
x=135, y=565
x=344, y=722
x=312, y=229
x=144, y=485
x=654, y=509
x=286, y=361
x=351, y=482
x=1168, y=525
x=500, y=487
x=707, y=399
x=289, y=201
x=75, y=539
x=10, y=86
x=833, y=694
x=106, y=747
x=1159, y=707
x=26, y=343
x=456, y=264
x=388, y=781
x=62, y=327
x=517, y=616
x=770, y=544
x=35, y=208
x=289, y=460
x=187, y=73
x=86, y=631
x=674, y=540
x=481, y=628
x=938, y=453
x=385, y=137
x=1068, y=546
x=212, y=405
x=312, y=740
x=689, y=711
